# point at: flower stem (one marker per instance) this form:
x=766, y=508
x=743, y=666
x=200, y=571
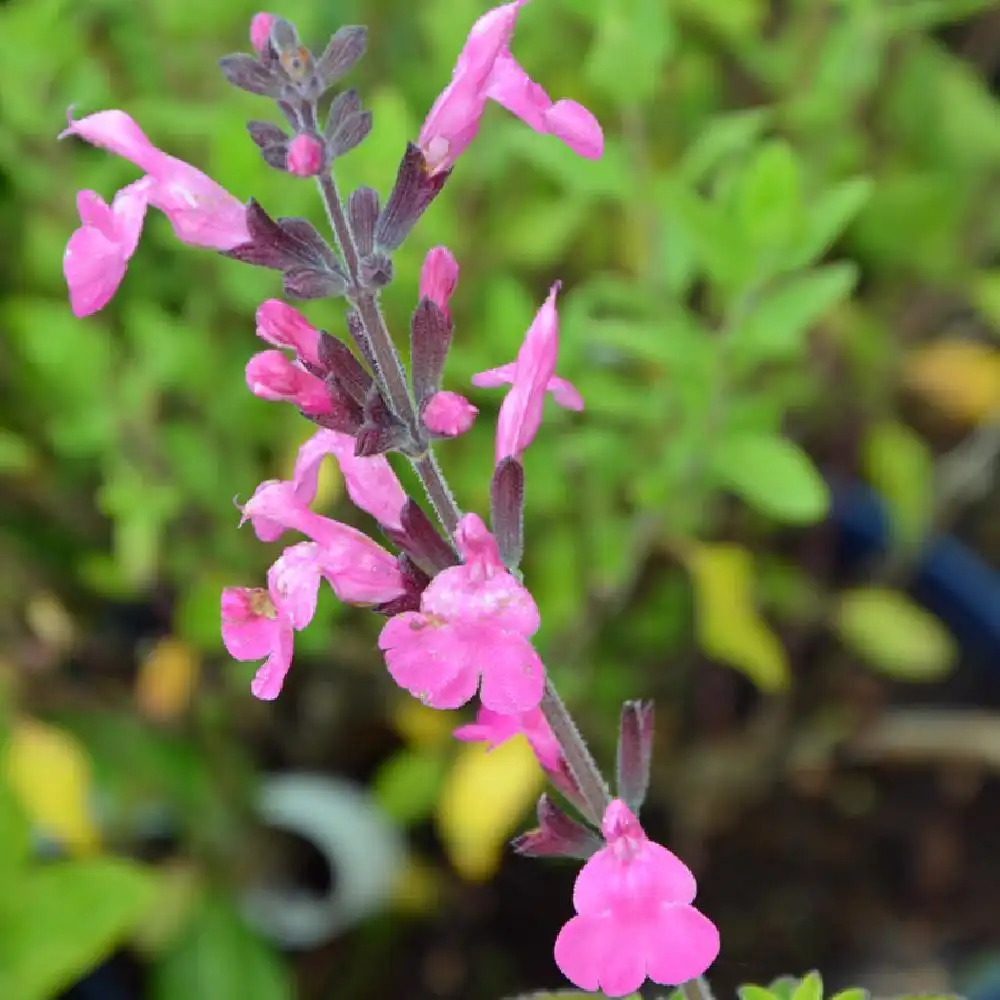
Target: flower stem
x=697, y=989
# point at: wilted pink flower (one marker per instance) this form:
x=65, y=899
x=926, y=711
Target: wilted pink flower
x=260, y=30
x=98, y=253
x=283, y=326
x=438, y=278
x=634, y=918
x=305, y=156
x=486, y=70
x=260, y=624
x=371, y=483
x=200, y=211
x=495, y=729
x=473, y=625
x=531, y=375
x=270, y=375
x=359, y=570
x=448, y=414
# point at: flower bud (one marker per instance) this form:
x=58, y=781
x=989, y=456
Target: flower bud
x=305, y=156
x=260, y=30
x=448, y=414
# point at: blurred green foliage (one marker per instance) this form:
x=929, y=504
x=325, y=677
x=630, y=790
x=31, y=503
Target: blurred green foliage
x=778, y=187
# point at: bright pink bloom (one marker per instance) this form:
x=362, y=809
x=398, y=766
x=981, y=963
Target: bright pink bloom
x=200, y=211
x=531, y=375
x=473, y=625
x=495, y=729
x=371, y=483
x=281, y=325
x=305, y=156
x=261, y=623
x=98, y=253
x=359, y=570
x=260, y=30
x=634, y=915
x=486, y=70
x=448, y=414
x=270, y=375
x=438, y=278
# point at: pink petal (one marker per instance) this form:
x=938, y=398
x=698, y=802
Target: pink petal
x=282, y=326
x=425, y=659
x=512, y=88
x=565, y=393
x=460, y=594
x=521, y=411
x=117, y=132
x=680, y=945
x=439, y=277
x=270, y=375
x=95, y=211
x=371, y=483
x=93, y=267
x=577, y=127
x=495, y=377
x=513, y=675
x=200, y=211
x=293, y=582
x=448, y=414
x=599, y=952
x=260, y=30
x=305, y=156
x=248, y=623
x=362, y=572
x=268, y=680
x=477, y=545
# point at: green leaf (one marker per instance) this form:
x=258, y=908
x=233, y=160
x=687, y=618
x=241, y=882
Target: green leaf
x=725, y=136
x=728, y=626
x=406, y=786
x=625, y=63
x=899, y=464
x=769, y=199
x=220, y=958
x=855, y=993
x=828, y=216
x=751, y=992
x=776, y=327
x=68, y=917
x=895, y=636
x=810, y=988
x=772, y=475
x=14, y=835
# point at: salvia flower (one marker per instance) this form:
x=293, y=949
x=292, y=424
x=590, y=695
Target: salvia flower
x=530, y=376
x=471, y=632
x=201, y=212
x=270, y=375
x=439, y=278
x=634, y=915
x=496, y=729
x=305, y=156
x=281, y=325
x=448, y=414
x=486, y=70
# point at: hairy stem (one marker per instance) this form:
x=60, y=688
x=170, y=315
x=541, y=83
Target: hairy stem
x=697, y=989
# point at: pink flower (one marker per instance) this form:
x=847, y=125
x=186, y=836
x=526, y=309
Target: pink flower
x=260, y=30
x=486, y=70
x=495, y=729
x=305, y=156
x=282, y=326
x=473, y=626
x=448, y=414
x=359, y=570
x=438, y=278
x=371, y=483
x=531, y=375
x=634, y=919
x=261, y=623
x=270, y=375
x=98, y=253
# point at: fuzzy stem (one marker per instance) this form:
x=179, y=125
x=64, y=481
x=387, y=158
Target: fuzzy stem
x=696, y=989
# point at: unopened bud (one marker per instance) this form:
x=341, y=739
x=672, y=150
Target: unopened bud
x=305, y=156
x=260, y=30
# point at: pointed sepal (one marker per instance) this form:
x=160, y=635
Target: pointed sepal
x=558, y=835
x=635, y=752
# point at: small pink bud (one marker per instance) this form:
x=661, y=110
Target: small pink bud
x=260, y=30
x=270, y=375
x=305, y=156
x=282, y=326
x=438, y=278
x=448, y=414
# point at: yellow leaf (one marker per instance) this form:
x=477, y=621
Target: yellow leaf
x=167, y=678
x=729, y=627
x=49, y=772
x=484, y=797
x=329, y=484
x=961, y=378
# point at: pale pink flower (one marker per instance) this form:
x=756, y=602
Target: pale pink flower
x=260, y=30
x=495, y=729
x=439, y=277
x=473, y=628
x=271, y=375
x=359, y=570
x=260, y=624
x=283, y=326
x=531, y=375
x=305, y=156
x=448, y=414
x=98, y=253
x=486, y=70
x=634, y=915
x=371, y=483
